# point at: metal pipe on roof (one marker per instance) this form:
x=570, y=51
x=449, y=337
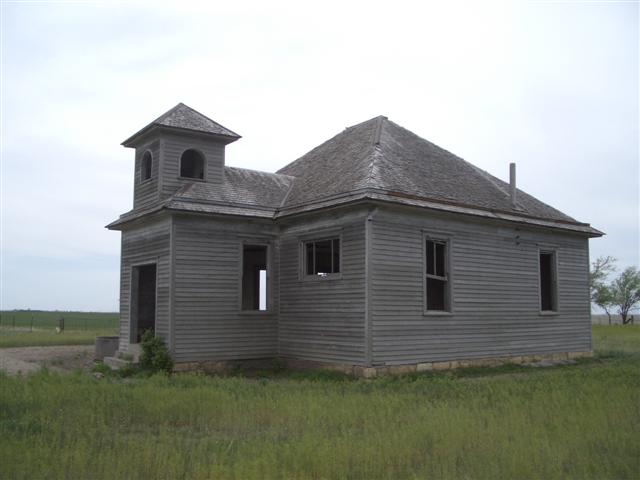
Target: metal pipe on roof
x=512, y=183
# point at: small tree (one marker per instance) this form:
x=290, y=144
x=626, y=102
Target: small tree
x=625, y=291
x=601, y=293
x=603, y=297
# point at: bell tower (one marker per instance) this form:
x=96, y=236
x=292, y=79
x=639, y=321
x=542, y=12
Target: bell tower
x=179, y=147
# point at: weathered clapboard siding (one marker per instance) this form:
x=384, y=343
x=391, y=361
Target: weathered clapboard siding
x=173, y=146
x=495, y=299
x=323, y=319
x=208, y=322
x=146, y=193
x=148, y=243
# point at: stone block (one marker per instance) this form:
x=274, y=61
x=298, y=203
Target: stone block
x=574, y=355
x=441, y=365
x=401, y=369
x=424, y=367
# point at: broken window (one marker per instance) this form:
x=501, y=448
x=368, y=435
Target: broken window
x=437, y=282
x=547, y=282
x=145, y=166
x=254, y=277
x=192, y=164
x=322, y=257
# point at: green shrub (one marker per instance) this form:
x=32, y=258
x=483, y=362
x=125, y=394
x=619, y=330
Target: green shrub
x=155, y=356
x=103, y=368
x=129, y=370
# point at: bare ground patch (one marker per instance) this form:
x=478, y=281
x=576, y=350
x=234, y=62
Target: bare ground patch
x=62, y=358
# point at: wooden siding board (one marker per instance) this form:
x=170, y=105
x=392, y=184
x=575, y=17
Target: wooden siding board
x=149, y=243
x=146, y=193
x=324, y=319
x=173, y=148
x=208, y=322
x=493, y=273
x=494, y=276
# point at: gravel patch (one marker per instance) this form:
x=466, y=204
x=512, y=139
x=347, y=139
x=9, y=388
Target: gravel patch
x=62, y=358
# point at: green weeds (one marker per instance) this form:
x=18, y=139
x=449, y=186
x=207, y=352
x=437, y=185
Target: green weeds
x=578, y=421
x=16, y=338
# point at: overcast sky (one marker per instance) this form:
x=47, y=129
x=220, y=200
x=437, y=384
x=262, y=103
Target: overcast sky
x=550, y=86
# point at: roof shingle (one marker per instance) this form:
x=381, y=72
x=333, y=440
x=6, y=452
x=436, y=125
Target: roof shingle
x=381, y=156
x=186, y=118
x=241, y=188
x=375, y=160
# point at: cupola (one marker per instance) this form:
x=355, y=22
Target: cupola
x=180, y=146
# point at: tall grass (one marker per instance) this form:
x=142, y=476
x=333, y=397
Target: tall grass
x=616, y=340
x=578, y=421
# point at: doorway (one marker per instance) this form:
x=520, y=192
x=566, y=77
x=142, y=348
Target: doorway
x=143, y=301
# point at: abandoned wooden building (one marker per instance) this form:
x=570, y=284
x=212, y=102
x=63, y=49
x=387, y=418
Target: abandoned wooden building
x=377, y=251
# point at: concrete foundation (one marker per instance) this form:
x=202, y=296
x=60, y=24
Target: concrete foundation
x=359, y=371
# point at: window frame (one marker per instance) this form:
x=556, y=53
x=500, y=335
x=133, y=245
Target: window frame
x=142, y=169
x=448, y=294
x=204, y=166
x=269, y=298
x=303, y=275
x=554, y=281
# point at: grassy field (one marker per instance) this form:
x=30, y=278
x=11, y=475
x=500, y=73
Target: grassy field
x=22, y=328
x=50, y=320
x=579, y=421
x=25, y=338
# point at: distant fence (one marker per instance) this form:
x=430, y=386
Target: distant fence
x=25, y=320
x=599, y=319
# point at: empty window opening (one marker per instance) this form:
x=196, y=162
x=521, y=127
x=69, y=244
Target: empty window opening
x=145, y=166
x=254, y=277
x=437, y=282
x=143, y=301
x=547, y=282
x=192, y=164
x=322, y=257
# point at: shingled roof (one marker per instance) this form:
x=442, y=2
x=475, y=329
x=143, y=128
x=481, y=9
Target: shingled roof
x=380, y=156
x=247, y=192
x=186, y=118
x=376, y=160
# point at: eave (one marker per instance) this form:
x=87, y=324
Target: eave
x=366, y=194
x=132, y=141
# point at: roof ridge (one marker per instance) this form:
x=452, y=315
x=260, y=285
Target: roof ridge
x=211, y=120
x=490, y=178
x=262, y=172
x=286, y=195
x=322, y=145
x=377, y=151
x=379, y=121
x=166, y=114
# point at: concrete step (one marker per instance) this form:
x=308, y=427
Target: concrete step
x=116, y=363
x=134, y=350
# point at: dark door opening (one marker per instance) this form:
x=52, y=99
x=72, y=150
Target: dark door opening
x=143, y=301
